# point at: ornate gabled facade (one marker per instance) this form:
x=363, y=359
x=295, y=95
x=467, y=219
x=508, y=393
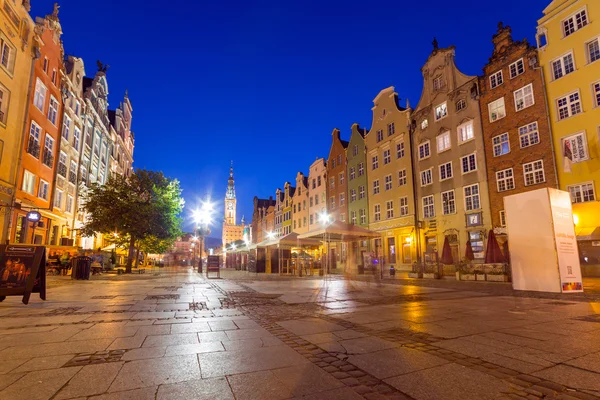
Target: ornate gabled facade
x=356, y=173
x=389, y=177
x=260, y=228
x=279, y=206
x=450, y=170
x=515, y=121
x=300, y=204
x=122, y=139
x=40, y=144
x=317, y=192
x=16, y=34
x=287, y=216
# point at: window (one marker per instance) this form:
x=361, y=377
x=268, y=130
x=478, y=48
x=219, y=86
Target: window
x=400, y=146
x=529, y=135
x=62, y=164
x=54, y=77
x=332, y=203
x=28, y=185
x=428, y=207
x=332, y=183
x=389, y=209
x=361, y=192
x=58, y=197
x=524, y=97
x=596, y=93
x=593, y=50
x=374, y=162
x=48, y=155
x=440, y=111
x=502, y=218
x=53, y=110
x=426, y=177
x=77, y=108
x=505, y=180
x=446, y=171
x=361, y=169
x=388, y=182
x=45, y=65
x=534, y=172
x=69, y=204
x=318, y=181
x=403, y=206
x=582, y=193
x=39, y=98
x=516, y=68
x=310, y=202
x=465, y=132
x=424, y=150
x=496, y=79
x=333, y=163
x=424, y=124
x=73, y=172
x=339, y=159
x=379, y=136
x=8, y=54
x=391, y=128
x=83, y=175
x=43, y=190
x=314, y=183
x=402, y=177
x=578, y=146
x=363, y=216
x=316, y=199
x=355, y=150
x=568, y=105
x=469, y=163
x=438, y=83
x=497, y=109
x=352, y=173
x=66, y=127
x=575, y=22
x=352, y=195
x=448, y=203
x=501, y=144
x=377, y=215
x=461, y=105
x=472, y=197
x=4, y=98
x=387, y=157
x=562, y=66
x=342, y=199
x=376, y=186
x=443, y=141
x=353, y=217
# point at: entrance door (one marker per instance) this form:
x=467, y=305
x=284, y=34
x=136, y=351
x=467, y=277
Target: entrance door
x=406, y=256
x=274, y=261
x=391, y=250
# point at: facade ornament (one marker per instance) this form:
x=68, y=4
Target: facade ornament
x=27, y=5
x=56, y=10
x=102, y=67
x=435, y=44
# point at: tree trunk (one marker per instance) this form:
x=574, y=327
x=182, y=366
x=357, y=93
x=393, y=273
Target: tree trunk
x=130, y=255
x=137, y=257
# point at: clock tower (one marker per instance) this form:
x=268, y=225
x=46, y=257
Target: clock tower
x=231, y=231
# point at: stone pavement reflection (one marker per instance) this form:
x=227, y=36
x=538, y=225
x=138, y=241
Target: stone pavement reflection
x=176, y=335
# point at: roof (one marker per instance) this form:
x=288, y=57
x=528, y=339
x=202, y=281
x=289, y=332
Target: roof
x=292, y=191
x=345, y=143
x=266, y=203
x=339, y=231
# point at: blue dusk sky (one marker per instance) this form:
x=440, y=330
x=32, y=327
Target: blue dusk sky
x=263, y=83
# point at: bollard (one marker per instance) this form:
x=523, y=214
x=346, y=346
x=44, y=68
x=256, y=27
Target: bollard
x=392, y=271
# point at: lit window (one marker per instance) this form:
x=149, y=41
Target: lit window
x=505, y=180
x=8, y=54
x=403, y=206
x=424, y=150
x=353, y=217
x=62, y=164
x=472, y=197
x=443, y=141
x=426, y=177
x=428, y=207
x=424, y=124
x=448, y=203
x=352, y=195
x=465, y=132
x=568, y=105
x=497, y=109
x=352, y=173
x=66, y=127
x=496, y=79
x=562, y=66
x=469, y=163
x=578, y=145
x=389, y=208
x=341, y=178
x=377, y=212
x=361, y=192
x=363, y=216
x=446, y=171
x=534, y=173
x=502, y=218
x=516, y=68
x=582, y=193
x=529, y=134
x=58, y=198
x=342, y=199
x=361, y=169
x=440, y=111
x=53, y=110
x=524, y=97
x=4, y=99
x=501, y=144
x=28, y=185
x=39, y=98
x=402, y=177
x=69, y=204
x=574, y=23
x=43, y=190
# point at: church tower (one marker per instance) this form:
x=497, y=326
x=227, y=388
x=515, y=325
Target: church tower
x=231, y=231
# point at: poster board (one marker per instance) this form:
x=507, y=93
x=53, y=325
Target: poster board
x=212, y=265
x=22, y=271
x=542, y=241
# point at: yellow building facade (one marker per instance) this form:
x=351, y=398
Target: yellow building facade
x=16, y=30
x=568, y=39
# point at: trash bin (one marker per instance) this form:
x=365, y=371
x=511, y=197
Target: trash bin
x=392, y=271
x=81, y=268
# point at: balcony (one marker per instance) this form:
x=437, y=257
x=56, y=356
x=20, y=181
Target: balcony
x=72, y=177
x=48, y=158
x=33, y=147
x=62, y=170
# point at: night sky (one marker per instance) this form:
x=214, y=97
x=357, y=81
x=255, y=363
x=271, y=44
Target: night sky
x=263, y=83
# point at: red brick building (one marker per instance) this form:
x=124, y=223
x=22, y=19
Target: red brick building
x=517, y=137
x=337, y=185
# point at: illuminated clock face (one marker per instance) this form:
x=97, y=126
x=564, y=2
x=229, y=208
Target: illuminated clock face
x=230, y=206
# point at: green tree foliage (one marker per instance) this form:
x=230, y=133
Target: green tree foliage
x=146, y=204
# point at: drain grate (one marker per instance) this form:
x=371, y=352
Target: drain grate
x=198, y=306
x=100, y=357
x=162, y=297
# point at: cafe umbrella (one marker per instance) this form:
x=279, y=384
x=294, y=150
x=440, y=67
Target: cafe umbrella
x=493, y=255
x=447, y=253
x=469, y=252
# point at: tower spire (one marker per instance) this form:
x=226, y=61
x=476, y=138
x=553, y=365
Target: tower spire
x=231, y=170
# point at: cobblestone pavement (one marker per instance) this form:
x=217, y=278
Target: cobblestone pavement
x=176, y=335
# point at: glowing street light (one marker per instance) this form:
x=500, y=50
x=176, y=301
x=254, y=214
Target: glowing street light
x=203, y=218
x=324, y=218
x=270, y=235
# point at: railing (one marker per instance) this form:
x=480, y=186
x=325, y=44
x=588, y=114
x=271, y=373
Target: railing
x=48, y=158
x=33, y=147
x=62, y=170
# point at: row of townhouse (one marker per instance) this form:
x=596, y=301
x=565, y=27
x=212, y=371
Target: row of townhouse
x=57, y=135
x=442, y=169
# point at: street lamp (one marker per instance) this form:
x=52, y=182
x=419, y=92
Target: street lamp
x=325, y=219
x=203, y=219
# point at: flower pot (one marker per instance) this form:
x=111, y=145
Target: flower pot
x=430, y=275
x=415, y=275
x=480, y=277
x=497, y=278
x=467, y=277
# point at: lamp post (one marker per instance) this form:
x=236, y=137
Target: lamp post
x=203, y=218
x=325, y=219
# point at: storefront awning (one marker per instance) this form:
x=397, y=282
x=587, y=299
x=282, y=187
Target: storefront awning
x=588, y=233
x=339, y=231
x=293, y=240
